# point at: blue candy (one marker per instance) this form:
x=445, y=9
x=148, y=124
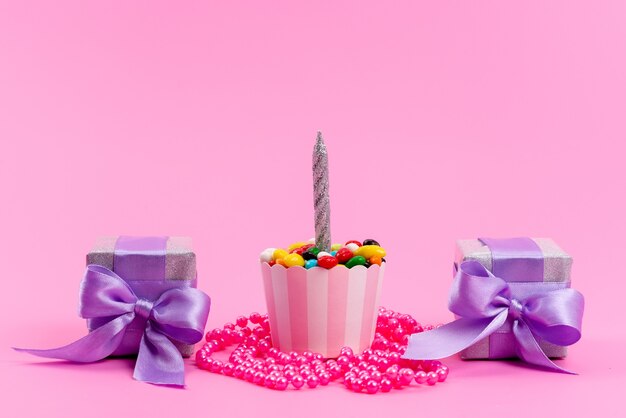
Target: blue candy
x=333, y=253
x=310, y=264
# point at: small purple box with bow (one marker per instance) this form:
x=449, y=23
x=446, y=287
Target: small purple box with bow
x=548, y=269
x=512, y=298
x=139, y=297
x=150, y=265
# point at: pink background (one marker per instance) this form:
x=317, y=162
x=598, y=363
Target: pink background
x=443, y=120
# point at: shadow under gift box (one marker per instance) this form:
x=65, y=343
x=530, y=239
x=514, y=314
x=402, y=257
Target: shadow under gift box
x=322, y=310
x=557, y=266
x=180, y=271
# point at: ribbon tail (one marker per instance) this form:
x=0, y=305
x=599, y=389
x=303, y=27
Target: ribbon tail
x=158, y=360
x=529, y=350
x=451, y=338
x=96, y=345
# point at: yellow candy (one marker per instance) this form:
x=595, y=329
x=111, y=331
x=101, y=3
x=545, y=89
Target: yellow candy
x=278, y=254
x=293, y=259
x=335, y=247
x=296, y=245
x=369, y=251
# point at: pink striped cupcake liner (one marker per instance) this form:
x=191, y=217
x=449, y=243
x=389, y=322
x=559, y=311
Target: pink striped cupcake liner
x=322, y=310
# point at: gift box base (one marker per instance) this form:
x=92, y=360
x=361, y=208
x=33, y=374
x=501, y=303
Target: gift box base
x=502, y=346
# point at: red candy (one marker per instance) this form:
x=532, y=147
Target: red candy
x=344, y=254
x=327, y=262
x=300, y=250
x=354, y=242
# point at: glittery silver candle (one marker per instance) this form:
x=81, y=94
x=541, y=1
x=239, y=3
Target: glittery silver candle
x=320, y=193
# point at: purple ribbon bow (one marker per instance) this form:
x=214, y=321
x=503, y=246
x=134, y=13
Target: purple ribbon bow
x=484, y=302
x=177, y=314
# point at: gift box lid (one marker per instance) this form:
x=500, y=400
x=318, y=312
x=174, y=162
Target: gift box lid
x=557, y=264
x=180, y=260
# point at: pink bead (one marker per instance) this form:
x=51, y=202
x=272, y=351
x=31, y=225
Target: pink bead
x=376, y=376
x=242, y=321
x=270, y=381
x=343, y=361
x=228, y=369
x=248, y=374
x=421, y=377
x=392, y=371
x=357, y=384
x=385, y=385
x=239, y=371
x=281, y=383
x=289, y=374
x=372, y=386
x=346, y=351
x=431, y=378
x=255, y=317
x=384, y=364
x=312, y=381
x=406, y=376
x=397, y=334
x=264, y=346
x=394, y=358
x=259, y=378
x=324, y=378
x=238, y=336
x=297, y=382
x=216, y=366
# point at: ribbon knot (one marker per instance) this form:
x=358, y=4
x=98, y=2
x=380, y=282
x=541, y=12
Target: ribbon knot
x=179, y=314
x=515, y=309
x=484, y=302
x=143, y=307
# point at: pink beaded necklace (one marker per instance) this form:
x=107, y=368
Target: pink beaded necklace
x=379, y=368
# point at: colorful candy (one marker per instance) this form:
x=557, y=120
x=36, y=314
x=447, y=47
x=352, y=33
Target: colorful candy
x=370, y=242
x=369, y=251
x=357, y=260
x=311, y=253
x=310, y=263
x=293, y=260
x=304, y=254
x=343, y=255
x=327, y=261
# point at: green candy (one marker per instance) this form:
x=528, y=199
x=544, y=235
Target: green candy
x=357, y=260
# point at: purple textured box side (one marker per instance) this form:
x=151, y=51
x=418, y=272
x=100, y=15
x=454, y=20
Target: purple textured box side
x=557, y=269
x=180, y=265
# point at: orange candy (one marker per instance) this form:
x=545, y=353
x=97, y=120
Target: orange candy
x=375, y=260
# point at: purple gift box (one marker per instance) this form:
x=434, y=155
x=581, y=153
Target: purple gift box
x=528, y=277
x=139, y=296
x=150, y=266
x=511, y=298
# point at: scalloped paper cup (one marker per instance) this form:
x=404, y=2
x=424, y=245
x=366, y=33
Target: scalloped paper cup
x=322, y=310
